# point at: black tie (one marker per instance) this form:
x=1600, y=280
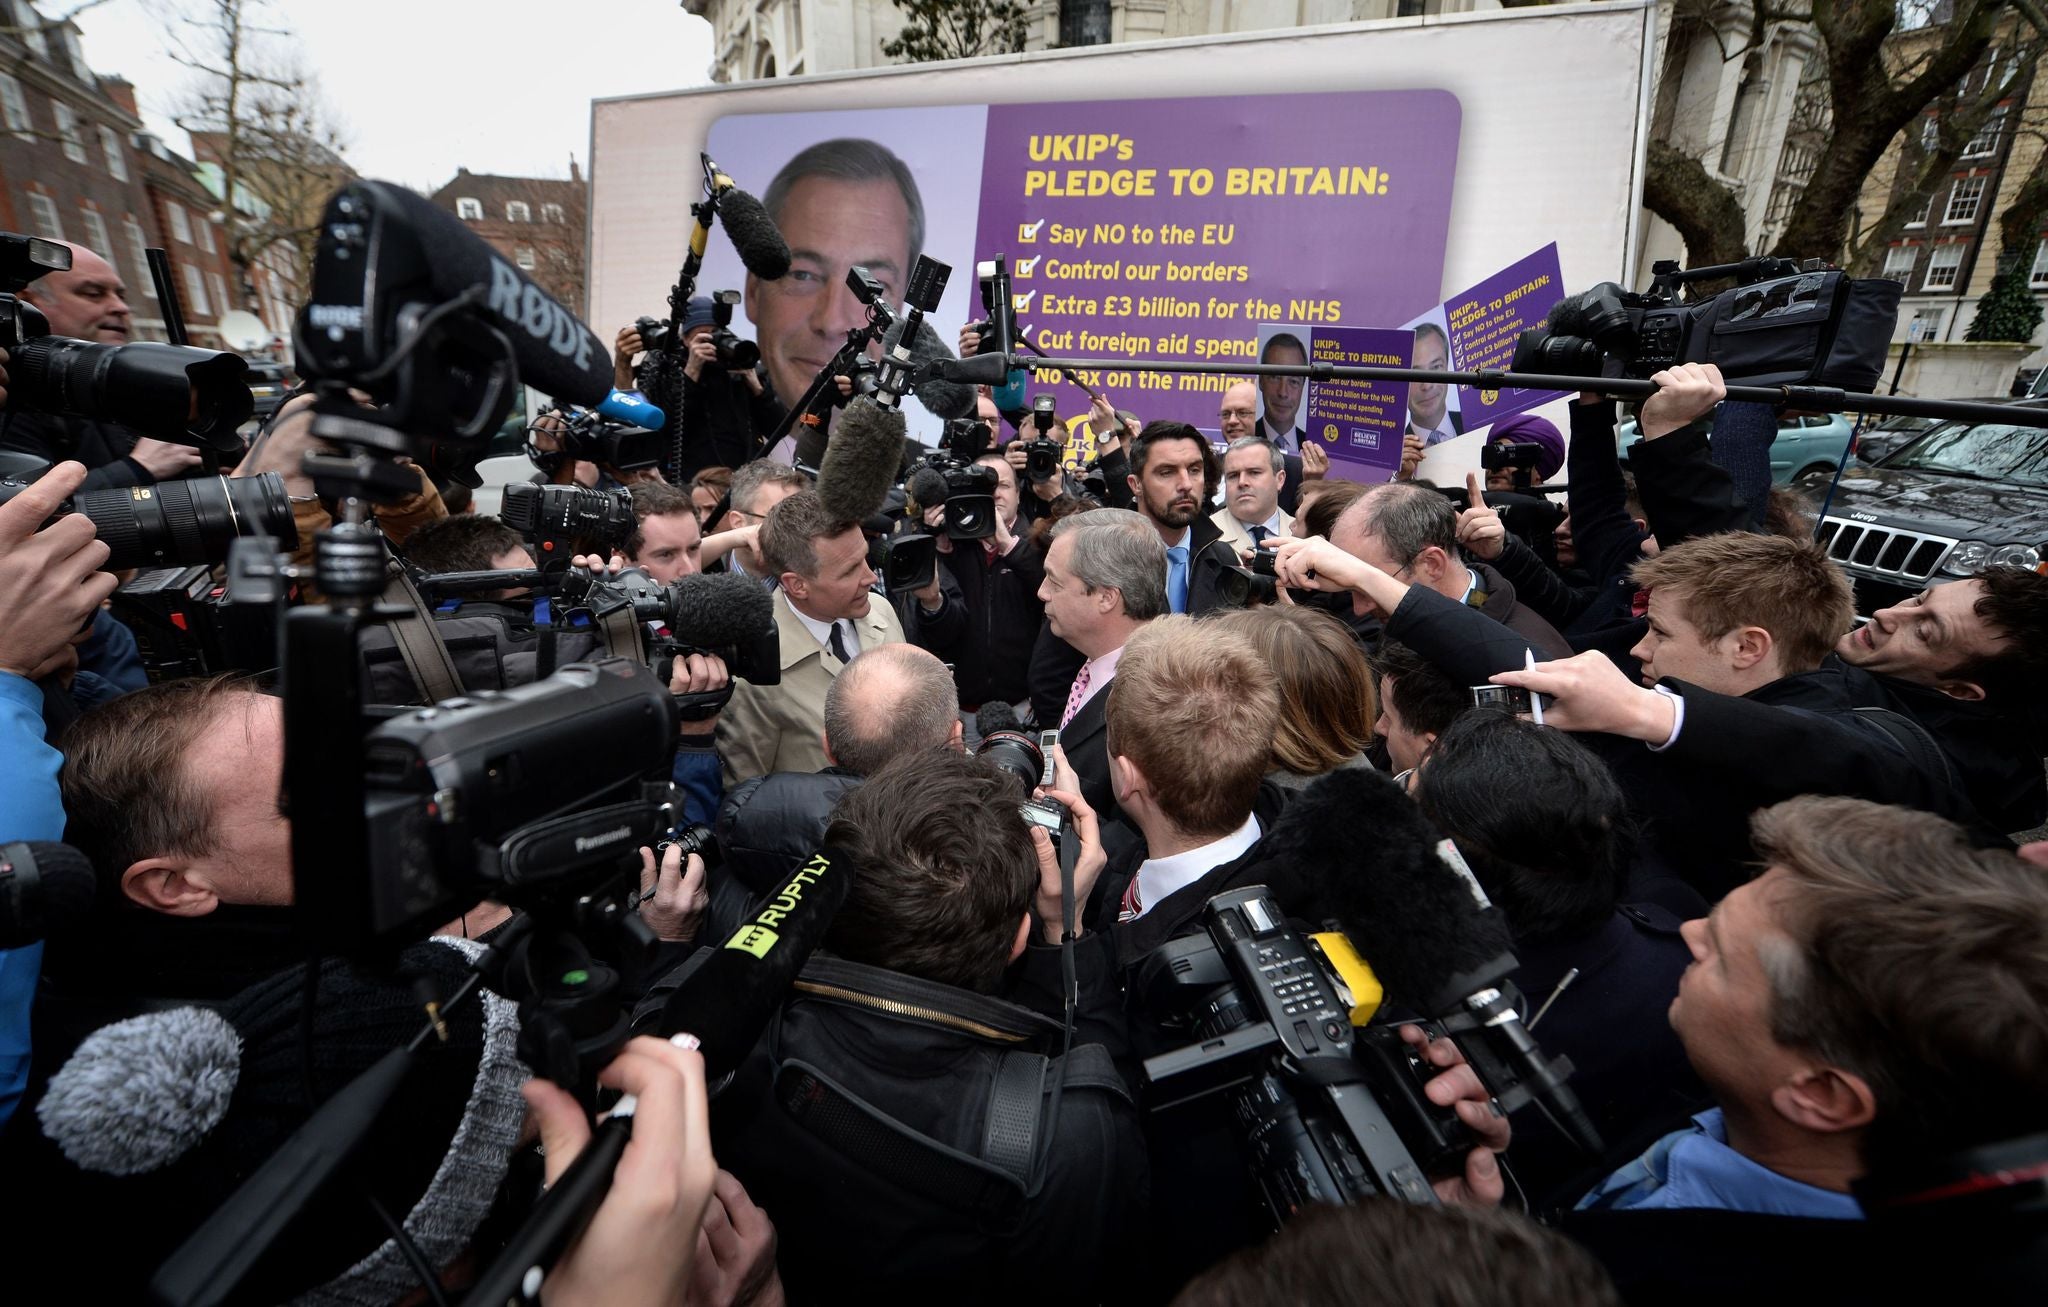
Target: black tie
x=1259, y=535
x=839, y=645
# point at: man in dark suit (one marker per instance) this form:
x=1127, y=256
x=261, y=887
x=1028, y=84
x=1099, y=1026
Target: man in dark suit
x=1173, y=471
x=1239, y=417
x=1105, y=576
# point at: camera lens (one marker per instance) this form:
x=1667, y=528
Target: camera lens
x=164, y=389
x=1570, y=356
x=1016, y=753
x=188, y=522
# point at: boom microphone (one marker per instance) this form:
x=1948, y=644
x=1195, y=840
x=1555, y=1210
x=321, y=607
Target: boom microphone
x=385, y=250
x=634, y=407
x=861, y=461
x=981, y=370
x=942, y=396
x=45, y=887
x=754, y=234
x=1414, y=911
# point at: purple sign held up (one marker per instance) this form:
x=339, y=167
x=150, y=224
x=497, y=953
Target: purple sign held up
x=1359, y=423
x=1485, y=322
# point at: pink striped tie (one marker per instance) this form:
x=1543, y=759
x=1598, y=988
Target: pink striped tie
x=1075, y=697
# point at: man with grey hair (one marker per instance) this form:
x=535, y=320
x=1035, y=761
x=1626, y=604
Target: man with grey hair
x=888, y=702
x=757, y=487
x=1411, y=532
x=1105, y=576
x=840, y=204
x=1253, y=469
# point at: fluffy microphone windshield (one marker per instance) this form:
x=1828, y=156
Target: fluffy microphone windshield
x=722, y=608
x=946, y=399
x=754, y=235
x=1411, y=917
x=860, y=463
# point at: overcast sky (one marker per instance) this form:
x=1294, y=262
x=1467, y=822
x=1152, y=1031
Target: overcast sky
x=422, y=87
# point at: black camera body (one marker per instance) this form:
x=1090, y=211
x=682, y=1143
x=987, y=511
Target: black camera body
x=655, y=334
x=970, y=487
x=1245, y=587
x=1327, y=1113
x=553, y=517
x=734, y=354
x=1783, y=324
x=906, y=561
x=594, y=438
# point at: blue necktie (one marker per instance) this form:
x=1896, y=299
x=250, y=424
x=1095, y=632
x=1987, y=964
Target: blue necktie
x=1177, y=578
x=1258, y=534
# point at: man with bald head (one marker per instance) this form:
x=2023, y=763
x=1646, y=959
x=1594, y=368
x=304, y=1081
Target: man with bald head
x=90, y=302
x=887, y=701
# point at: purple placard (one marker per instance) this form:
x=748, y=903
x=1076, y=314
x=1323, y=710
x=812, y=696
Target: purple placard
x=1359, y=423
x=1168, y=229
x=1485, y=322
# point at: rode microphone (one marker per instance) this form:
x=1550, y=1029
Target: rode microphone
x=45, y=887
x=1421, y=921
x=391, y=265
x=861, y=460
x=634, y=407
x=721, y=608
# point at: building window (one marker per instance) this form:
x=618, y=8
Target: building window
x=32, y=32
x=1919, y=218
x=220, y=290
x=469, y=210
x=14, y=106
x=180, y=226
x=67, y=128
x=518, y=211
x=551, y=213
x=195, y=292
x=1986, y=140
x=1930, y=133
x=1899, y=261
x=202, y=231
x=96, y=234
x=2038, y=276
x=43, y=211
x=1926, y=324
x=141, y=247
x=117, y=162
x=1942, y=265
x=523, y=256
x=1963, y=201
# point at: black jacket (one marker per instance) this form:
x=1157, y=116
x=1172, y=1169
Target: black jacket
x=712, y=422
x=1995, y=748
x=836, y=1121
x=1085, y=741
x=992, y=660
x=101, y=446
x=1801, y=734
x=1208, y=555
x=768, y=826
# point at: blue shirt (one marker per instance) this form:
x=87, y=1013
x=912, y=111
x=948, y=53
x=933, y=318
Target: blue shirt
x=29, y=810
x=1697, y=1168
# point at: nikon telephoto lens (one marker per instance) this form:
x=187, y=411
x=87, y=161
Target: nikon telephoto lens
x=181, y=523
x=163, y=390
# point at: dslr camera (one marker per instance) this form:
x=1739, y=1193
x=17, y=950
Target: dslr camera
x=1041, y=452
x=1783, y=323
x=734, y=354
x=655, y=335
x=176, y=392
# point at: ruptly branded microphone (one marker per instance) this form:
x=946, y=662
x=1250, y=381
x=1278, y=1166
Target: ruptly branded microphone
x=728, y=995
x=754, y=234
x=45, y=887
x=1419, y=918
x=861, y=461
x=634, y=407
x=385, y=250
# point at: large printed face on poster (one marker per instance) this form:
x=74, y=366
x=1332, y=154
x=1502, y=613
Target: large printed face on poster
x=1136, y=229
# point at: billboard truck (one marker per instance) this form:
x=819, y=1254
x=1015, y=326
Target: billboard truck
x=1406, y=191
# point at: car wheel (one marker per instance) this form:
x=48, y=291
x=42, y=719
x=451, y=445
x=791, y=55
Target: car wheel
x=1811, y=468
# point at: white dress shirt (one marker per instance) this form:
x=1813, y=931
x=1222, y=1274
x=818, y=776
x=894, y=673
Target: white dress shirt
x=1160, y=877
x=822, y=631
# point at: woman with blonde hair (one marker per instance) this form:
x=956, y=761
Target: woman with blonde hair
x=1327, y=700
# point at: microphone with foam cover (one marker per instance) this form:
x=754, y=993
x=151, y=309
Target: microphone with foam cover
x=1417, y=915
x=861, y=460
x=942, y=396
x=754, y=234
x=721, y=608
x=927, y=487
x=995, y=716
x=384, y=249
x=45, y=888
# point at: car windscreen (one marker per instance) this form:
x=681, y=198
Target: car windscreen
x=1985, y=452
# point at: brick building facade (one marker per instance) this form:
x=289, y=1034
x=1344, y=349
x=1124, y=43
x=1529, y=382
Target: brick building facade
x=536, y=222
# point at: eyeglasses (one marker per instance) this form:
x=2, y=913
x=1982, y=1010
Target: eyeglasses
x=1235, y=413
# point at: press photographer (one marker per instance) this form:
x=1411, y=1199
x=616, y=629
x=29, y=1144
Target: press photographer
x=710, y=384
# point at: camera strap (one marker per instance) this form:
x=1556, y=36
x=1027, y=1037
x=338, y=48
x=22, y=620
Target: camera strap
x=418, y=638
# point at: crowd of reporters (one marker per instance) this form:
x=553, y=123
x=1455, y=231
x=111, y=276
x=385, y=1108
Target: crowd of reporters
x=1756, y=861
